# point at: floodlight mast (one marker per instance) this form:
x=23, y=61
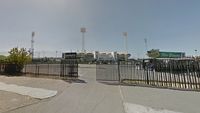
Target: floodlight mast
x=146, y=45
x=83, y=30
x=195, y=52
x=125, y=34
x=32, y=44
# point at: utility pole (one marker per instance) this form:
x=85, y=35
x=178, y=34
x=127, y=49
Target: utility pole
x=83, y=30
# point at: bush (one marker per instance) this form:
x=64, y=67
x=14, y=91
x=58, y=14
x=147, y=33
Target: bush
x=17, y=57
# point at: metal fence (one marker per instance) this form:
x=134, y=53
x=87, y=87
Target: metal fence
x=9, y=69
x=2, y=68
x=68, y=67
x=60, y=70
x=171, y=74
x=107, y=72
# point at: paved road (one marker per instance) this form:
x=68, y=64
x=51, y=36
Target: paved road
x=89, y=96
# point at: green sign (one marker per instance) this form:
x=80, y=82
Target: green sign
x=154, y=53
x=171, y=55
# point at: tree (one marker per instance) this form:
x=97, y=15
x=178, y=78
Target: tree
x=154, y=53
x=2, y=59
x=18, y=57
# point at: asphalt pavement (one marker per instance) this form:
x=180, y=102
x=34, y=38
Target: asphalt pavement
x=89, y=96
x=84, y=96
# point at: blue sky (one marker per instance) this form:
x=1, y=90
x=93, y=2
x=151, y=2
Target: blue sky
x=168, y=25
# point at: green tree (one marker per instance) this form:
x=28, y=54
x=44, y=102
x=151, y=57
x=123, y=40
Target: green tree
x=19, y=57
x=154, y=53
x=2, y=59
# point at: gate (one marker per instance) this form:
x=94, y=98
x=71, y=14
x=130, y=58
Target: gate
x=107, y=73
x=173, y=74
x=68, y=67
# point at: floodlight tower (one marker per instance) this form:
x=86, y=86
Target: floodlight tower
x=83, y=30
x=56, y=54
x=146, y=46
x=32, y=44
x=195, y=52
x=125, y=34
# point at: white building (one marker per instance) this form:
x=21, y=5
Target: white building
x=103, y=56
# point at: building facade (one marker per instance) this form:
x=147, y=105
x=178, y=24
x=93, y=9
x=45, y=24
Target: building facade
x=102, y=57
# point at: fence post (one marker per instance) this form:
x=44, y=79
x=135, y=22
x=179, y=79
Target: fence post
x=48, y=69
x=25, y=69
x=147, y=76
x=119, y=71
x=35, y=70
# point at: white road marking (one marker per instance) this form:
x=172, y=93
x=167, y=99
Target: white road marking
x=122, y=97
x=135, y=108
x=28, y=91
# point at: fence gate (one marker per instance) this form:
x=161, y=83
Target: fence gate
x=69, y=66
x=107, y=73
x=173, y=74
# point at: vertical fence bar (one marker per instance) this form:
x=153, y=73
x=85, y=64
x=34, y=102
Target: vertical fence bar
x=174, y=73
x=198, y=75
x=179, y=77
x=184, y=79
x=119, y=75
x=170, y=75
x=147, y=76
x=195, y=76
x=161, y=78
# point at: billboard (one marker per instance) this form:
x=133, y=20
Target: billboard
x=155, y=53
x=171, y=54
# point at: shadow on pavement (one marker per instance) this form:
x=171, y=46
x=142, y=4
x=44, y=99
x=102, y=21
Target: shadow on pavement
x=109, y=82
x=75, y=81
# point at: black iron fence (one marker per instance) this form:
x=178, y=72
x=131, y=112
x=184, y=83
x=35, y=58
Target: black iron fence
x=2, y=68
x=107, y=72
x=60, y=70
x=171, y=74
x=65, y=67
x=9, y=69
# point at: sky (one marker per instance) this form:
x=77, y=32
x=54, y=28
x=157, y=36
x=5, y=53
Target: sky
x=168, y=25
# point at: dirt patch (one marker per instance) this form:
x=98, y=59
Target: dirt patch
x=10, y=101
x=50, y=84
